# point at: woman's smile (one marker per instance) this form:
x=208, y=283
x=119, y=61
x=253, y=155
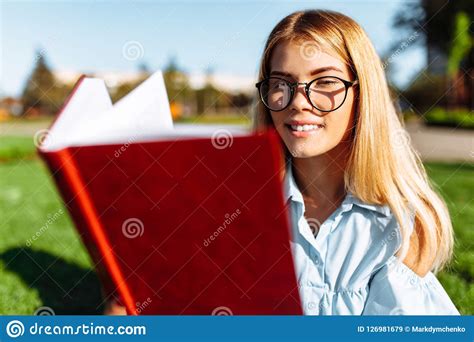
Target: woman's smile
x=302, y=131
x=303, y=128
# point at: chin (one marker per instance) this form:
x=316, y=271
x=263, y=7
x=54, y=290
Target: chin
x=302, y=152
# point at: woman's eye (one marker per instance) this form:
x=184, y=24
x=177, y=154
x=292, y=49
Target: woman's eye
x=327, y=82
x=279, y=85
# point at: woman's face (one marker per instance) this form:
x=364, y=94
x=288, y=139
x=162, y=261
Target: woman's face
x=305, y=130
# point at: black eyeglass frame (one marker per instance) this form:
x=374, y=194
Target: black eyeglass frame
x=294, y=85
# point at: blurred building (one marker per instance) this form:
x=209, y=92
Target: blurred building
x=10, y=107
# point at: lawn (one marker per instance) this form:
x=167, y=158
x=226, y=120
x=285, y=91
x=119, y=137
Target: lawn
x=42, y=262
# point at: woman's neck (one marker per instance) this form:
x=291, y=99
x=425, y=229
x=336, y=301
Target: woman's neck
x=321, y=178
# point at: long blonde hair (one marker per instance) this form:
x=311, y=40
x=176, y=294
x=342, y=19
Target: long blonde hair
x=383, y=168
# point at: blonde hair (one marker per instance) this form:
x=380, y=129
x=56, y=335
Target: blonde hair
x=383, y=168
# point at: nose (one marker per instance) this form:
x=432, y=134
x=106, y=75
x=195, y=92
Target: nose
x=300, y=101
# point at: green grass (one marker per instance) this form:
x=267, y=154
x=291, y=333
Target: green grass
x=54, y=270
x=12, y=147
x=461, y=118
x=456, y=185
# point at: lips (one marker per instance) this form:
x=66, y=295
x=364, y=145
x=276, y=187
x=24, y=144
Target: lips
x=304, y=128
x=304, y=131
x=305, y=122
x=304, y=125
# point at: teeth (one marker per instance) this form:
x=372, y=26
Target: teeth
x=304, y=128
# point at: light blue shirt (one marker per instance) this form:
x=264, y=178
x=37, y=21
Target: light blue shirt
x=350, y=267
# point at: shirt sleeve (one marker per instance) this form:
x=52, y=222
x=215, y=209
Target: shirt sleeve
x=396, y=290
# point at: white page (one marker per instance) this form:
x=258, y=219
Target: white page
x=143, y=112
x=142, y=115
x=91, y=98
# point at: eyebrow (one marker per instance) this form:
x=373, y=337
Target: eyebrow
x=312, y=73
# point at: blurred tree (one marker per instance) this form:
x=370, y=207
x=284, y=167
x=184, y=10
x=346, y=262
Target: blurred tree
x=42, y=93
x=445, y=29
x=176, y=81
x=124, y=88
x=208, y=98
x=460, y=68
x=144, y=69
x=241, y=100
x=177, y=86
x=424, y=91
x=433, y=23
x=461, y=43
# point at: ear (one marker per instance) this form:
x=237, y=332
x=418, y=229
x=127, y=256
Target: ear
x=421, y=253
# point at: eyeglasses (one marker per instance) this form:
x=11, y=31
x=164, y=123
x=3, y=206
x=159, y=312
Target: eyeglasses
x=326, y=93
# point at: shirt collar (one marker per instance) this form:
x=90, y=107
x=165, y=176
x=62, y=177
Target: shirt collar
x=293, y=193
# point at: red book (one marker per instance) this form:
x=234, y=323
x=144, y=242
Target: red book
x=183, y=219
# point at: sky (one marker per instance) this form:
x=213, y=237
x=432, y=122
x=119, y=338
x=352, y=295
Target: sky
x=226, y=36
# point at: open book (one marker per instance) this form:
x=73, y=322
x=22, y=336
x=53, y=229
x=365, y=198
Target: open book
x=178, y=219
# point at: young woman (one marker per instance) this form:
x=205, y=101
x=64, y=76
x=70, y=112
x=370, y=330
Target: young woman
x=368, y=230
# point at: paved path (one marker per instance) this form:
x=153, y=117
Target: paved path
x=442, y=144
